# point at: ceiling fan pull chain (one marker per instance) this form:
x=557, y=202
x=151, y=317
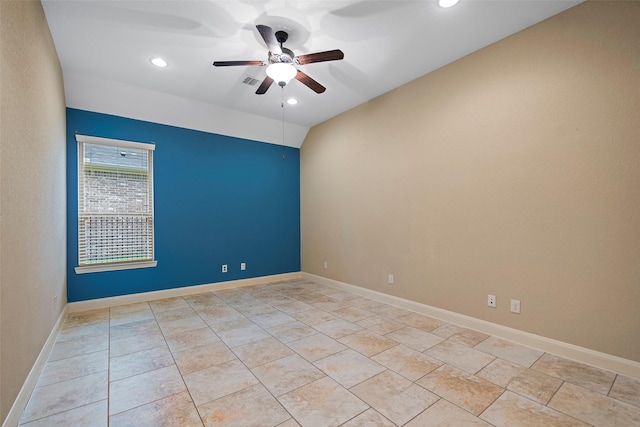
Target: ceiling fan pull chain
x=282, y=106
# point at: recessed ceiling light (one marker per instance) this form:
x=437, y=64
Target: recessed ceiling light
x=159, y=62
x=447, y=3
x=292, y=101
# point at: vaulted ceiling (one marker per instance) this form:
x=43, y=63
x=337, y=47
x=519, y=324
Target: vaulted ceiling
x=105, y=48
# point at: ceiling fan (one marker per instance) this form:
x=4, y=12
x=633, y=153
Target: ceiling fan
x=281, y=61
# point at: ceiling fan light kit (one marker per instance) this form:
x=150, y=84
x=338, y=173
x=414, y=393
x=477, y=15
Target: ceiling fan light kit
x=281, y=72
x=280, y=62
x=447, y=3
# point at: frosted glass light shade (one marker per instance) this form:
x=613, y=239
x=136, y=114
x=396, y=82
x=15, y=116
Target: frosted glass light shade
x=281, y=73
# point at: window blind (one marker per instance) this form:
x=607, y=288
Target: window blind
x=115, y=202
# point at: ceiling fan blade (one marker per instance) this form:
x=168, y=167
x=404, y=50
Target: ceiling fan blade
x=329, y=55
x=266, y=83
x=269, y=38
x=234, y=63
x=309, y=82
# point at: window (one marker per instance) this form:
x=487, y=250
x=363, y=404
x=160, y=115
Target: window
x=115, y=204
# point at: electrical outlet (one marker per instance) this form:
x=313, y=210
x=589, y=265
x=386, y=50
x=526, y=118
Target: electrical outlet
x=224, y=268
x=391, y=279
x=325, y=265
x=491, y=301
x=515, y=306
x=243, y=266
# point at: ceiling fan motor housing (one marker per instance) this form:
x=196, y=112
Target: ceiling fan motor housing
x=286, y=57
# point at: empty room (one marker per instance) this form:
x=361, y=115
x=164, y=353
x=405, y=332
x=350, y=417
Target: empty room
x=316, y=213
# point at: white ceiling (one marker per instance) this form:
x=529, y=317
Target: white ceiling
x=105, y=47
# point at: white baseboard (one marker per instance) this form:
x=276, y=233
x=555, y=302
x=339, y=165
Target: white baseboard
x=559, y=348
x=19, y=405
x=177, y=292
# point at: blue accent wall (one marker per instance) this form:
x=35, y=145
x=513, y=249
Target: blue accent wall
x=218, y=200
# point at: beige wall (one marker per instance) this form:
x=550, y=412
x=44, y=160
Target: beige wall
x=513, y=171
x=33, y=194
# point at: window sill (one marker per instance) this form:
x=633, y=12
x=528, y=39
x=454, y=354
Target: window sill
x=113, y=267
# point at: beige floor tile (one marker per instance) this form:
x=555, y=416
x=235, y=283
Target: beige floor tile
x=407, y=362
x=420, y=321
x=349, y=367
x=316, y=347
x=275, y=299
x=369, y=418
x=368, y=343
x=353, y=314
x=286, y=374
x=309, y=297
x=330, y=304
x=343, y=296
x=577, y=373
x=594, y=408
x=218, y=312
x=380, y=324
x=141, y=389
x=283, y=357
x=135, y=343
x=291, y=331
x=254, y=308
x=167, y=304
x=510, y=351
x=446, y=414
x=250, y=407
x=389, y=311
x=205, y=299
x=626, y=389
x=89, y=344
x=268, y=320
x=136, y=363
x=74, y=367
x=460, y=356
x=228, y=377
x=93, y=414
x=313, y=317
x=61, y=397
x=182, y=325
x=132, y=316
x=135, y=307
x=174, y=314
x=460, y=335
x=337, y=328
x=133, y=328
x=261, y=352
x=234, y=293
x=322, y=403
x=415, y=338
x=233, y=321
x=289, y=423
x=202, y=357
x=513, y=410
x=78, y=331
x=243, y=335
x=524, y=381
x=365, y=303
x=171, y=411
x=87, y=317
x=191, y=339
x=461, y=388
x=395, y=397
x=294, y=307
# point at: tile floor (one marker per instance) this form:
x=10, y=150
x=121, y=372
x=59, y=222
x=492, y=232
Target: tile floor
x=296, y=353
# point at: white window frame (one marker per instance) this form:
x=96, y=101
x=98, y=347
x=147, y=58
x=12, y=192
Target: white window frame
x=84, y=139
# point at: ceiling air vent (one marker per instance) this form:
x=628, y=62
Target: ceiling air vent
x=248, y=80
